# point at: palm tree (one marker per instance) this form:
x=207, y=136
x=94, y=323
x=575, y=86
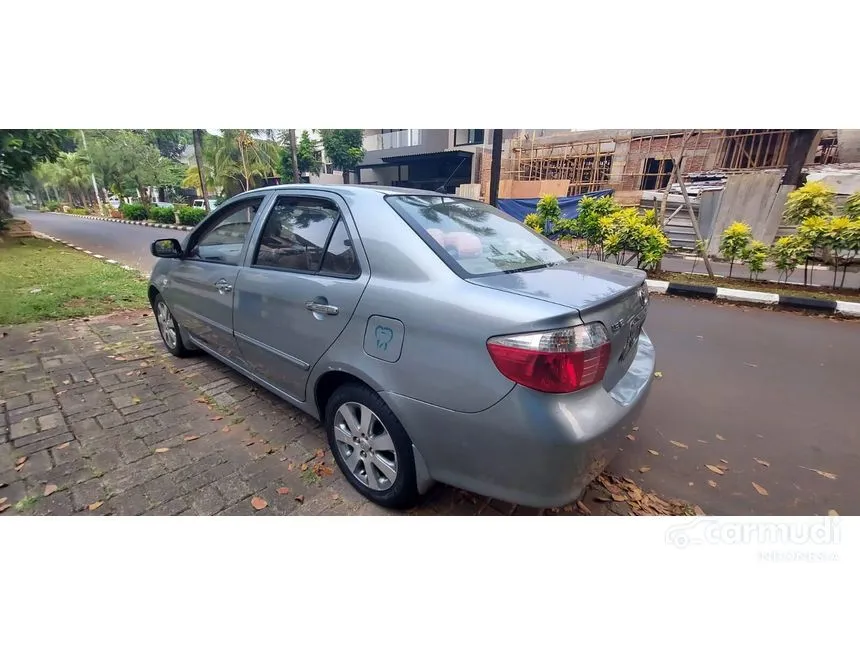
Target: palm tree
x=198, y=155
x=74, y=174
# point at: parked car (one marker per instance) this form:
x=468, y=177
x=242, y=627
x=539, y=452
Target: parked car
x=200, y=203
x=435, y=337
x=161, y=204
x=115, y=202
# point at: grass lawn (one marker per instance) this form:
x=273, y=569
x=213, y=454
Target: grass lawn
x=821, y=293
x=70, y=284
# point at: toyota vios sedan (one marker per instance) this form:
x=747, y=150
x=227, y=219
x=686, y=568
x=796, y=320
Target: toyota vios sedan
x=436, y=338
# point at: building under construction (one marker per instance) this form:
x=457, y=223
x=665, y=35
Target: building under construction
x=632, y=162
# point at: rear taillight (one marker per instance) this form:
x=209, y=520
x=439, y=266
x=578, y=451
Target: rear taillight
x=558, y=361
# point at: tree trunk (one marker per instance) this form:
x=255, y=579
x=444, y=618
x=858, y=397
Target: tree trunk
x=198, y=156
x=5, y=207
x=799, y=145
x=297, y=178
x=346, y=176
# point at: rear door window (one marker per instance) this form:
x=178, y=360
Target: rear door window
x=473, y=238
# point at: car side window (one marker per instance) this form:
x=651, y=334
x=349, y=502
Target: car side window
x=296, y=233
x=224, y=239
x=340, y=257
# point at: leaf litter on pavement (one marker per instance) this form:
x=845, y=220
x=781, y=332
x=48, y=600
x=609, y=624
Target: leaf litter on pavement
x=625, y=490
x=820, y=472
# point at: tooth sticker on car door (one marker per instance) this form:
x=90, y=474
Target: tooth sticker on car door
x=383, y=338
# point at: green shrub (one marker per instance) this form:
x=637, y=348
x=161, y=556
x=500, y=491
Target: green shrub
x=190, y=216
x=134, y=212
x=734, y=242
x=851, y=208
x=628, y=235
x=754, y=256
x=79, y=211
x=162, y=215
x=533, y=221
x=547, y=216
x=587, y=224
x=788, y=252
x=52, y=205
x=843, y=239
x=813, y=199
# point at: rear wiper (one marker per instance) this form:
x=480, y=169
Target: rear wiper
x=521, y=269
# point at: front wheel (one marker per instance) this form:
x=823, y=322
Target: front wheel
x=371, y=447
x=169, y=328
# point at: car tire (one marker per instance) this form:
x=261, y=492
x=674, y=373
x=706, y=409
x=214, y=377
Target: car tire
x=382, y=452
x=169, y=329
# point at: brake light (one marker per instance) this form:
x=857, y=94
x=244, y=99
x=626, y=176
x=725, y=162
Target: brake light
x=558, y=361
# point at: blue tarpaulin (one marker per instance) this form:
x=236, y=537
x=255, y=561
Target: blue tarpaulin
x=519, y=208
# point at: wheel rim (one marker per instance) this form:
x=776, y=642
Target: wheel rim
x=365, y=445
x=165, y=325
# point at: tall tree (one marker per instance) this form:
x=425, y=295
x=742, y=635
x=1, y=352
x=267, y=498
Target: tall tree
x=294, y=154
x=306, y=159
x=198, y=156
x=344, y=148
x=20, y=152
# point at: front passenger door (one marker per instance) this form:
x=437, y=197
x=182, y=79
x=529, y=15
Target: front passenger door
x=200, y=290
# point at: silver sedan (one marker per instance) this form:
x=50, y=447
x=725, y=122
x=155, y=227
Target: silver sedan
x=436, y=338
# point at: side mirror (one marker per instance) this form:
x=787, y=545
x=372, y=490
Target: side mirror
x=167, y=248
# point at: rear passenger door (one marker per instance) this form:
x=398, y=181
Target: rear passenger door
x=300, y=288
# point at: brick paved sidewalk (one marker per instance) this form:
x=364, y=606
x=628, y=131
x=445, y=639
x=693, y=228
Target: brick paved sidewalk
x=97, y=418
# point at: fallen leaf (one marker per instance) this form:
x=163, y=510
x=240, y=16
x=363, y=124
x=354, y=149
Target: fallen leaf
x=602, y=499
x=691, y=484
x=283, y=491
x=259, y=503
x=724, y=461
x=644, y=469
x=191, y=437
x=631, y=437
x=635, y=428
x=335, y=497
x=18, y=468
x=300, y=499
x=20, y=460
x=94, y=505
x=201, y=399
x=762, y=462
x=303, y=467
x=3, y=500
x=721, y=437
x=129, y=373
x=820, y=472
x=62, y=446
x=582, y=507
x=832, y=513
x=679, y=444
x=270, y=451
x=50, y=489
x=250, y=442
x=135, y=400
x=5, y=507
x=701, y=441
x=714, y=469
x=654, y=452
x=320, y=453
x=759, y=489
x=290, y=466
x=618, y=498
x=635, y=494
x=225, y=429
x=658, y=374
x=67, y=382
x=162, y=449
x=712, y=483
x=750, y=364
x=215, y=418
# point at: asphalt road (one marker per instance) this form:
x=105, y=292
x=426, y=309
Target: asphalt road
x=127, y=244
x=738, y=384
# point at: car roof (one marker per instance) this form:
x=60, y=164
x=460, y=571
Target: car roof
x=350, y=189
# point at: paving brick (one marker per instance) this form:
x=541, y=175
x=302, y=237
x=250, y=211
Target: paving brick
x=110, y=420
x=134, y=417
x=105, y=460
x=130, y=475
x=20, y=401
x=133, y=449
x=23, y=428
x=46, y=443
x=207, y=500
x=89, y=413
x=175, y=506
x=59, y=503
x=87, y=493
x=49, y=421
x=69, y=454
x=207, y=477
x=130, y=502
x=233, y=488
x=44, y=396
x=161, y=489
x=40, y=436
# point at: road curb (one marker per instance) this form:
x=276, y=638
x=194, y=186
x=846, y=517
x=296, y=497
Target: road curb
x=175, y=227
x=91, y=254
x=841, y=307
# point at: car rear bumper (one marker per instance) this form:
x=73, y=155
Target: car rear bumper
x=529, y=448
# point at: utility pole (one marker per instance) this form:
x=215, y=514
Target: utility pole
x=198, y=155
x=495, y=167
x=93, y=175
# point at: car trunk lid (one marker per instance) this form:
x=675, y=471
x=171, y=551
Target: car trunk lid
x=598, y=291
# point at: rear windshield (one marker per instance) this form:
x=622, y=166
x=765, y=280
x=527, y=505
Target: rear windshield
x=475, y=237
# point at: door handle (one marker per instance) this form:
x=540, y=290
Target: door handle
x=319, y=308
x=223, y=286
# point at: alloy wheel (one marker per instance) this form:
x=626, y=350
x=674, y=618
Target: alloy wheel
x=366, y=446
x=165, y=325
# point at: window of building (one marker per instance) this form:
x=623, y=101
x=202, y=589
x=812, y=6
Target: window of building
x=742, y=149
x=656, y=173
x=468, y=137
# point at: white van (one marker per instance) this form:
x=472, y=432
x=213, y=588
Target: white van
x=198, y=203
